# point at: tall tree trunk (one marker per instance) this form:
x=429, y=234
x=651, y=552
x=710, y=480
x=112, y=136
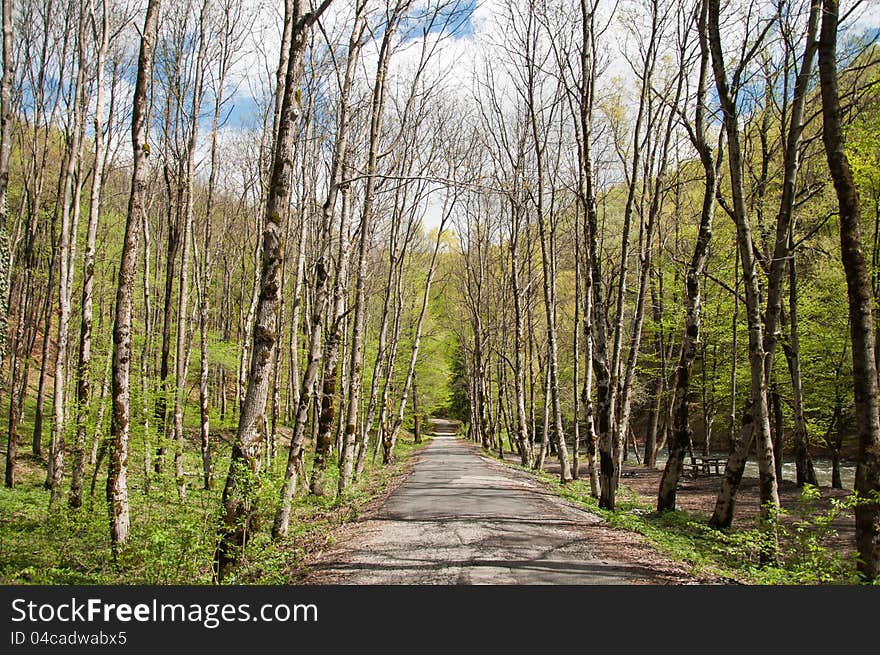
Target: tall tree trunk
x=207, y=269
x=587, y=389
x=778, y=427
x=558, y=434
x=522, y=421
x=181, y=349
x=835, y=427
x=145, y=367
x=618, y=428
x=296, y=309
x=340, y=294
x=330, y=375
x=546, y=232
x=97, y=430
x=321, y=287
x=545, y=430
x=864, y=372
x=362, y=440
x=67, y=240
x=117, y=476
x=27, y=294
x=239, y=493
x=396, y=267
x=417, y=416
x=587, y=200
x=646, y=257
x=769, y=496
x=681, y=437
x=604, y=403
x=377, y=104
x=659, y=387
x=37, y=446
x=784, y=219
x=734, y=352
x=204, y=286
x=84, y=384
x=5, y=140
x=165, y=364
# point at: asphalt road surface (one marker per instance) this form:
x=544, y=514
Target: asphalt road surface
x=461, y=518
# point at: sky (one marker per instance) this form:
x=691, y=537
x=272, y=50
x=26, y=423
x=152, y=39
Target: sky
x=473, y=47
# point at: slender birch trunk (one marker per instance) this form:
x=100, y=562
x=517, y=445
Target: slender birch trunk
x=377, y=104
x=117, y=476
x=207, y=269
x=805, y=472
x=527, y=456
x=295, y=468
x=239, y=493
x=181, y=349
x=5, y=254
x=145, y=371
x=339, y=167
x=67, y=239
x=5, y=141
x=330, y=374
x=605, y=397
x=101, y=30
x=646, y=255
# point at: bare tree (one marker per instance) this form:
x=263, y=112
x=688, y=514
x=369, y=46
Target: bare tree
x=117, y=476
x=539, y=134
x=240, y=490
x=394, y=15
x=101, y=32
x=5, y=264
x=5, y=141
x=70, y=211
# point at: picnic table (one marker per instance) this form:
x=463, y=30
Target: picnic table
x=707, y=465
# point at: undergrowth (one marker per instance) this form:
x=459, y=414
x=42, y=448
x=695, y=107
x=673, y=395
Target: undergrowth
x=172, y=542
x=805, y=553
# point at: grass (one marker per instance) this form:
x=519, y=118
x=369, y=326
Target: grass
x=172, y=542
x=728, y=555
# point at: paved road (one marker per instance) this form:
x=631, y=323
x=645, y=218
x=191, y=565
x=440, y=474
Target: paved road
x=460, y=518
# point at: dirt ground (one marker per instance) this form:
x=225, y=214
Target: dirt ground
x=698, y=495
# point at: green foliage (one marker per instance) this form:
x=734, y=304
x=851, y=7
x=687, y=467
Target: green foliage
x=807, y=553
x=862, y=136
x=804, y=533
x=459, y=399
x=171, y=542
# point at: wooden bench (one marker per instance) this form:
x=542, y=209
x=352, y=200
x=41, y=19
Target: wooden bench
x=707, y=465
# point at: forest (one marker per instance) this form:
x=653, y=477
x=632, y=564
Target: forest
x=253, y=253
